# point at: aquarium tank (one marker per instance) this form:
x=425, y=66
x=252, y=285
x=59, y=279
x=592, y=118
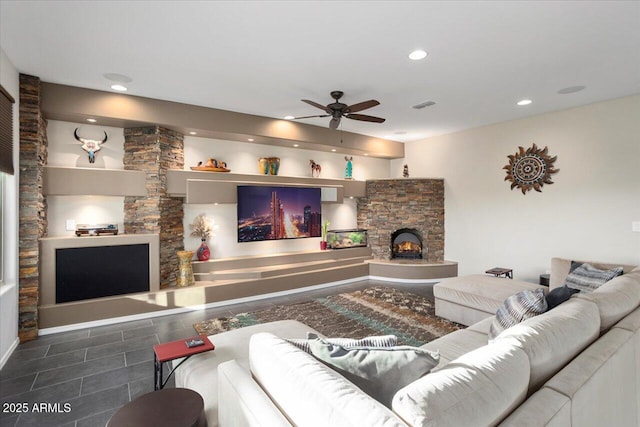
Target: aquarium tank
x=340, y=239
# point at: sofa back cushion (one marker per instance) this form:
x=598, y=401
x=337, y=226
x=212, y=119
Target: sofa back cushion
x=553, y=338
x=310, y=393
x=478, y=388
x=616, y=298
x=560, y=268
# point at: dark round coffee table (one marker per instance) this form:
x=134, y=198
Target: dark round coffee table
x=170, y=407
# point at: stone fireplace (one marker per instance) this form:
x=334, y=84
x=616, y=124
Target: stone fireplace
x=406, y=243
x=392, y=205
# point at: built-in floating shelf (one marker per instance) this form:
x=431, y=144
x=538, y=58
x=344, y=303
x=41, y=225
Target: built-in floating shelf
x=66, y=181
x=214, y=187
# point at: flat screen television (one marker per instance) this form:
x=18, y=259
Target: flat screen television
x=274, y=213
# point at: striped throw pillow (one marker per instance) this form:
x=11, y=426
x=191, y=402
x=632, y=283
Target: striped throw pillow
x=588, y=278
x=516, y=308
x=373, y=341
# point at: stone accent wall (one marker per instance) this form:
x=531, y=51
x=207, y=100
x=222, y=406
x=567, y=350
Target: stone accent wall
x=392, y=204
x=33, y=206
x=155, y=150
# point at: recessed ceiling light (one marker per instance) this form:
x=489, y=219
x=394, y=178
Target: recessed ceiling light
x=333, y=150
x=91, y=120
x=400, y=132
x=289, y=117
x=417, y=55
x=524, y=102
x=250, y=139
x=193, y=133
x=571, y=89
x=119, y=88
x=366, y=154
x=296, y=145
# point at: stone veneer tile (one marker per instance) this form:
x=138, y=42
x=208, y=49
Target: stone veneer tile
x=392, y=204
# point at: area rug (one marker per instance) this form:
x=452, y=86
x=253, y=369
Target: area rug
x=377, y=310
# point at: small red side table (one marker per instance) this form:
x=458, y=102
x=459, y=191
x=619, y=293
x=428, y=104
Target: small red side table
x=174, y=350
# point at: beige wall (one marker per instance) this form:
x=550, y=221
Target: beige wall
x=586, y=213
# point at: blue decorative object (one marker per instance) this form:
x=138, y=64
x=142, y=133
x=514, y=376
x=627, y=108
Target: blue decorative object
x=348, y=170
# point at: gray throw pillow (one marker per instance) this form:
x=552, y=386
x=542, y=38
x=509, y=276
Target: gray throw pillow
x=378, y=371
x=588, y=278
x=372, y=341
x=516, y=308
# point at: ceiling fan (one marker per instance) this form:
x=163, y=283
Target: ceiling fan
x=337, y=110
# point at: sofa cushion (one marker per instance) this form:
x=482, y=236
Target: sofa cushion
x=616, y=298
x=285, y=373
x=516, y=308
x=373, y=341
x=554, y=338
x=455, y=344
x=560, y=269
x=380, y=372
x=479, y=388
x=481, y=292
x=559, y=295
x=587, y=278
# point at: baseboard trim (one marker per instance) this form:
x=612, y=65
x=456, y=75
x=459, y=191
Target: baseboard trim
x=396, y=280
x=141, y=316
x=9, y=352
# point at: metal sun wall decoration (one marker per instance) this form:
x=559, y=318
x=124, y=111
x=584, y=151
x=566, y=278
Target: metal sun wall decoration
x=530, y=168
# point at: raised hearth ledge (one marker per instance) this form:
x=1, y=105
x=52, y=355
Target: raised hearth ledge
x=404, y=270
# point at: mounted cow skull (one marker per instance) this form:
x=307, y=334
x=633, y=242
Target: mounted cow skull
x=91, y=146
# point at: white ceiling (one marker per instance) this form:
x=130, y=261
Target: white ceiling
x=263, y=57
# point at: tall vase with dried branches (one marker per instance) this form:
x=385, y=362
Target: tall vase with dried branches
x=203, y=228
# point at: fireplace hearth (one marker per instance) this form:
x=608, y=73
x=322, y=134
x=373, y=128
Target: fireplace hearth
x=406, y=243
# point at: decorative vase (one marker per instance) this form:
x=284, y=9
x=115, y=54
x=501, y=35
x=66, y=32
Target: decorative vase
x=185, y=271
x=323, y=245
x=274, y=165
x=203, y=253
x=263, y=165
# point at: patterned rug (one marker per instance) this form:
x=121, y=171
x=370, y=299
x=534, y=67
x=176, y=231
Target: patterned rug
x=373, y=311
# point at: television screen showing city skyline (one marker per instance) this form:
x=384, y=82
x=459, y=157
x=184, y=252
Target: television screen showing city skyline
x=274, y=213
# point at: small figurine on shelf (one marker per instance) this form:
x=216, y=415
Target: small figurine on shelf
x=325, y=228
x=405, y=171
x=315, y=169
x=202, y=228
x=348, y=170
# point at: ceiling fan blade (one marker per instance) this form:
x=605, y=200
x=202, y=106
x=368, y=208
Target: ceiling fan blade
x=361, y=106
x=309, y=117
x=365, y=118
x=333, y=124
x=315, y=104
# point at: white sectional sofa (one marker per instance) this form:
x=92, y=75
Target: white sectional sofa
x=575, y=365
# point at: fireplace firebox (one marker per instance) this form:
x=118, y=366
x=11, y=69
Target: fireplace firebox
x=406, y=243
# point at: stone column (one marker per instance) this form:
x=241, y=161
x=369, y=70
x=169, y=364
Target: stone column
x=155, y=150
x=32, y=204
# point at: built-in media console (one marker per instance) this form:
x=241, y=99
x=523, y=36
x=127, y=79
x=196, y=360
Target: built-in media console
x=82, y=268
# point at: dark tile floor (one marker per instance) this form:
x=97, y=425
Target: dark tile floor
x=80, y=378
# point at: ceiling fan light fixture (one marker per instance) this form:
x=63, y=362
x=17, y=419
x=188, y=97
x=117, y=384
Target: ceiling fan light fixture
x=90, y=120
x=417, y=55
